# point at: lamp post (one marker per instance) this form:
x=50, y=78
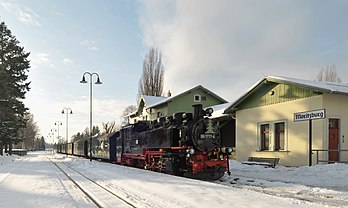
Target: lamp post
x=66, y=111
x=48, y=136
x=90, y=106
x=52, y=132
x=58, y=123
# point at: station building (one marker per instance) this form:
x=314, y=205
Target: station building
x=273, y=120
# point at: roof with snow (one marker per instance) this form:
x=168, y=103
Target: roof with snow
x=219, y=111
x=150, y=100
x=324, y=87
x=169, y=99
x=144, y=101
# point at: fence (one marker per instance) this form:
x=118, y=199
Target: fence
x=320, y=156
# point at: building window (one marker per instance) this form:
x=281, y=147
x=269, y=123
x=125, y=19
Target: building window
x=197, y=98
x=332, y=124
x=272, y=136
x=264, y=136
x=279, y=136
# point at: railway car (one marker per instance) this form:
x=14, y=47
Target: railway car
x=61, y=148
x=104, y=147
x=70, y=148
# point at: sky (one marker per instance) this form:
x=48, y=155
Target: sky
x=225, y=46
x=248, y=186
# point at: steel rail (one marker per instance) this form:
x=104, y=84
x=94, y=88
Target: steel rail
x=95, y=183
x=106, y=189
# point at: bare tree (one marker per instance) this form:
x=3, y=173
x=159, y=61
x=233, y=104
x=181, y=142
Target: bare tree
x=109, y=127
x=151, y=81
x=129, y=109
x=30, y=132
x=329, y=75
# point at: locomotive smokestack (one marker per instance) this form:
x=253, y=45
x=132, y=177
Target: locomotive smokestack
x=197, y=111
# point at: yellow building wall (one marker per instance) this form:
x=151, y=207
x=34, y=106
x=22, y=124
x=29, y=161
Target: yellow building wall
x=337, y=107
x=297, y=133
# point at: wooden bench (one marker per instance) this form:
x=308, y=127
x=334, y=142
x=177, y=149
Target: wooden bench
x=20, y=152
x=268, y=162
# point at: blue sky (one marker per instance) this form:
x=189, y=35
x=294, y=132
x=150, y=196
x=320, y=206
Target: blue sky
x=224, y=45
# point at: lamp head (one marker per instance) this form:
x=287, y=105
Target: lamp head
x=83, y=79
x=98, y=81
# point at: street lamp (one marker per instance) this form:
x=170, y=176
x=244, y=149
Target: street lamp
x=52, y=132
x=58, y=123
x=48, y=136
x=66, y=111
x=90, y=106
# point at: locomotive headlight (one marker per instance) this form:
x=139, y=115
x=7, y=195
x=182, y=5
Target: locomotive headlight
x=209, y=111
x=227, y=150
x=190, y=151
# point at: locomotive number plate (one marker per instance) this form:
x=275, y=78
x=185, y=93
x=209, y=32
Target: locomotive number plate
x=207, y=136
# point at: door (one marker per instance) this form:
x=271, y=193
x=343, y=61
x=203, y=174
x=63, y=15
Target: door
x=333, y=140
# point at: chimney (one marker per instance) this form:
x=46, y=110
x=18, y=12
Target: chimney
x=169, y=94
x=197, y=111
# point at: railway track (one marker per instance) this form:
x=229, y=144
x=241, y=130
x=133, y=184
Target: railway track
x=98, y=194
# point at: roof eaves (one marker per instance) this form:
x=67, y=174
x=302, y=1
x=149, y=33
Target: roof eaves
x=215, y=95
x=283, y=80
x=169, y=99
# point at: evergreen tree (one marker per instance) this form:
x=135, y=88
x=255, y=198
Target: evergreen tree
x=14, y=65
x=42, y=143
x=85, y=135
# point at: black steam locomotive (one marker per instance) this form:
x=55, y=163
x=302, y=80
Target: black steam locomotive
x=185, y=144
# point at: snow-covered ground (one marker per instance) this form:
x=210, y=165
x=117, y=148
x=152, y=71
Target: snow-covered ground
x=34, y=181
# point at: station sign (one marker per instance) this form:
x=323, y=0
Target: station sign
x=310, y=115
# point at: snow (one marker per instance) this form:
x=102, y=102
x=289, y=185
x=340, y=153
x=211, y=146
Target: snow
x=331, y=87
x=34, y=181
x=218, y=110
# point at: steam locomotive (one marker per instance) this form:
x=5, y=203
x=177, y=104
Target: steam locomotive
x=185, y=144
